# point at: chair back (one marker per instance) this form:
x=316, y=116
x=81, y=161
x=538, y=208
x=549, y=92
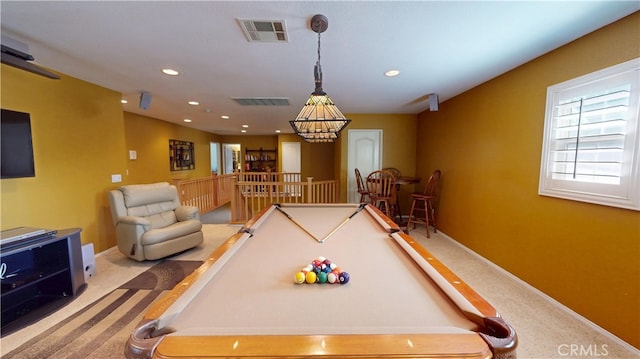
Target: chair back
x=156, y=202
x=394, y=171
x=360, y=182
x=432, y=184
x=381, y=184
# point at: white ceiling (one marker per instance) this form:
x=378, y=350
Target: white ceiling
x=443, y=47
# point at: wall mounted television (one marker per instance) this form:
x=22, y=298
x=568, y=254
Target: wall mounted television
x=16, y=145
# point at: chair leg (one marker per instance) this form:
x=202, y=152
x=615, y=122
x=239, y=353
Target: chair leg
x=413, y=204
x=412, y=215
x=387, y=209
x=426, y=217
x=432, y=214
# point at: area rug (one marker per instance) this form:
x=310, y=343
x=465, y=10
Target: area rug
x=101, y=329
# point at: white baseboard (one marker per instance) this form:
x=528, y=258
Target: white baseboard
x=551, y=300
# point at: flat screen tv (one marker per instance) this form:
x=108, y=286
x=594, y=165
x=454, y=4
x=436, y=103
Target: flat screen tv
x=16, y=145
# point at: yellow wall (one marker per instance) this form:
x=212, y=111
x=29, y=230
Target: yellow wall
x=488, y=142
x=150, y=137
x=78, y=144
x=398, y=146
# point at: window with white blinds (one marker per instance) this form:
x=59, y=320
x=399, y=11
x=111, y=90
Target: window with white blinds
x=591, y=142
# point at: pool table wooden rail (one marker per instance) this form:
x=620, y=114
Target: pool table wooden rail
x=495, y=330
x=499, y=335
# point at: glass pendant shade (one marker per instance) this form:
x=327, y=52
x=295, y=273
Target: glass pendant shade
x=319, y=120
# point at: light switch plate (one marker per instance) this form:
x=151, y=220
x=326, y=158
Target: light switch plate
x=133, y=155
x=116, y=178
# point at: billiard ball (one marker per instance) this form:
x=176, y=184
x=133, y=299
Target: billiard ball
x=300, y=277
x=311, y=277
x=332, y=277
x=322, y=277
x=344, y=278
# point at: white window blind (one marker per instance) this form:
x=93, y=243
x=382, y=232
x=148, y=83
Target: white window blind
x=591, y=141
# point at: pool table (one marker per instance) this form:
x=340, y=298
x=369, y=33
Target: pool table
x=400, y=300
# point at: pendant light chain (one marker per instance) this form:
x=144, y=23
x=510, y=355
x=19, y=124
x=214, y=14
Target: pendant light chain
x=319, y=52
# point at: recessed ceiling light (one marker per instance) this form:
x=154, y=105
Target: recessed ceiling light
x=124, y=101
x=243, y=131
x=392, y=73
x=187, y=120
x=277, y=131
x=171, y=72
x=245, y=126
x=224, y=117
x=194, y=103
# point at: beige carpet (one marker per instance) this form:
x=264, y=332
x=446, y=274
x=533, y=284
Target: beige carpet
x=102, y=328
x=545, y=329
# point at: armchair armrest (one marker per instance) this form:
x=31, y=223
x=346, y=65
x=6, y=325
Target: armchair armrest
x=129, y=230
x=135, y=221
x=185, y=213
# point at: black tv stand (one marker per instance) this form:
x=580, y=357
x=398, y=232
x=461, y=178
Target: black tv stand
x=38, y=276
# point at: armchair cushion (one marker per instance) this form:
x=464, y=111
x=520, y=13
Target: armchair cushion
x=151, y=223
x=176, y=230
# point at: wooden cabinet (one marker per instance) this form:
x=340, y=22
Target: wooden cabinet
x=260, y=160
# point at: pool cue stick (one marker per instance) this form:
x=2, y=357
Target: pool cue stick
x=296, y=222
x=343, y=222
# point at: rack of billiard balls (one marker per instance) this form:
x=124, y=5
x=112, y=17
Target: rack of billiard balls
x=322, y=270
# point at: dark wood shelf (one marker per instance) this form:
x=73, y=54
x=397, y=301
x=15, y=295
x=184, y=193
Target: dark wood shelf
x=260, y=160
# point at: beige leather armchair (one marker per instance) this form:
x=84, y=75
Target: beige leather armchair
x=151, y=223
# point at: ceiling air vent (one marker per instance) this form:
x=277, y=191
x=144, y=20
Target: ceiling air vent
x=264, y=30
x=262, y=101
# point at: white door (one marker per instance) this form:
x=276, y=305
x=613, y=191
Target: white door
x=214, y=149
x=291, y=164
x=365, y=154
x=230, y=158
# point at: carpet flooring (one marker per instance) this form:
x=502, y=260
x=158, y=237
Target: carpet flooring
x=101, y=329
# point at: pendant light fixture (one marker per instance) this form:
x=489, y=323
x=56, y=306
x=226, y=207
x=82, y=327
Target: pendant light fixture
x=319, y=120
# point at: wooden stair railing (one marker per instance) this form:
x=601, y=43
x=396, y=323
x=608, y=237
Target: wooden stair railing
x=250, y=192
x=206, y=193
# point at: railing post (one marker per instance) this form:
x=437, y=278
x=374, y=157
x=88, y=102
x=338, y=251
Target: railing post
x=234, y=200
x=214, y=188
x=309, y=190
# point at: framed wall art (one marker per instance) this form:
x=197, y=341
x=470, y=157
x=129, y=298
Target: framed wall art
x=181, y=155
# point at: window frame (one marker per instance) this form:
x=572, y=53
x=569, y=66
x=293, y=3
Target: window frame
x=623, y=195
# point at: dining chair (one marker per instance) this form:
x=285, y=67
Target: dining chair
x=362, y=188
x=394, y=171
x=381, y=185
x=422, y=203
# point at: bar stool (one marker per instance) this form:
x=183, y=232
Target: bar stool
x=422, y=203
